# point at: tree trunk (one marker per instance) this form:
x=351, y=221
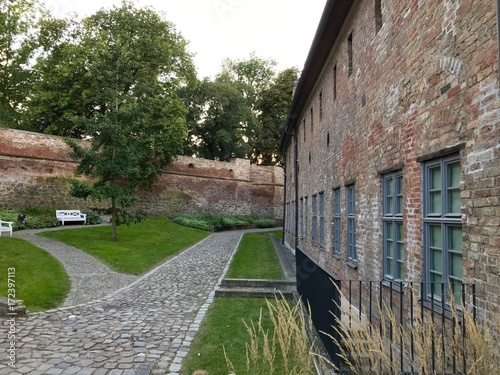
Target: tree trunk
x=114, y=219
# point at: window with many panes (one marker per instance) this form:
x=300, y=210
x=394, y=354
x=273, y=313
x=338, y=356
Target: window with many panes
x=393, y=239
x=336, y=222
x=306, y=218
x=351, y=223
x=314, y=233
x=301, y=217
x=322, y=220
x=442, y=228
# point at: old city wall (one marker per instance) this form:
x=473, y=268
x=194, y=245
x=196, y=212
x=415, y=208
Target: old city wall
x=35, y=171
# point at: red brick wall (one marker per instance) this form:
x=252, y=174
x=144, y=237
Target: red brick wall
x=424, y=85
x=35, y=169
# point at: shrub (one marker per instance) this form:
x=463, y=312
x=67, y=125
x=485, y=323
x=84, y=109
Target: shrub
x=265, y=223
x=93, y=218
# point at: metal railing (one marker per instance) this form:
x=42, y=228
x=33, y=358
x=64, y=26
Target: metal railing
x=412, y=325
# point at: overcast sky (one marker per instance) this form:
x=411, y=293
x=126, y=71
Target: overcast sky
x=282, y=30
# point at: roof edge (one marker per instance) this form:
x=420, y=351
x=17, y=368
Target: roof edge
x=329, y=26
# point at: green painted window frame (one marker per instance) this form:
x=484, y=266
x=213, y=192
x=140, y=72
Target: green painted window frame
x=442, y=229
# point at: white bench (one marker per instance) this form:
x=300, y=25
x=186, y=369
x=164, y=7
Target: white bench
x=6, y=226
x=70, y=215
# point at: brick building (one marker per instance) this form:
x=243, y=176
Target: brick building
x=392, y=150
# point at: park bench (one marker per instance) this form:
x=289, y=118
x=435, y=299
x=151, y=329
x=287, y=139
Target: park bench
x=6, y=226
x=70, y=215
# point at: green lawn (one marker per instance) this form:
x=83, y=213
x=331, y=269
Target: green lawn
x=256, y=259
x=223, y=327
x=139, y=247
x=39, y=279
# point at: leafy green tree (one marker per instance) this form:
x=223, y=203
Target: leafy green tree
x=273, y=110
x=118, y=81
x=17, y=46
x=219, y=121
x=252, y=76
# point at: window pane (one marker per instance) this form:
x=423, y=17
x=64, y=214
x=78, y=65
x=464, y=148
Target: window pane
x=389, y=268
x=437, y=286
x=454, y=201
x=437, y=260
x=435, y=178
x=389, y=206
x=389, y=230
x=455, y=238
x=435, y=236
x=401, y=249
x=399, y=195
x=389, y=186
x=456, y=288
x=401, y=271
x=454, y=175
x=435, y=202
x=456, y=265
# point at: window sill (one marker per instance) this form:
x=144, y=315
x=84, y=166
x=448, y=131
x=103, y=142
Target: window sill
x=352, y=264
x=437, y=308
x=336, y=256
x=397, y=286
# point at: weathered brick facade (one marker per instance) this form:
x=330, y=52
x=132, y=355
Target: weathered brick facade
x=35, y=170
x=396, y=89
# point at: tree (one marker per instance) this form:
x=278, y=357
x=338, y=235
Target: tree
x=219, y=121
x=225, y=118
x=252, y=76
x=16, y=48
x=273, y=110
x=125, y=67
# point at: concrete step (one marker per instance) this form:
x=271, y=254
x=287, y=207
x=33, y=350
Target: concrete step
x=257, y=283
x=254, y=292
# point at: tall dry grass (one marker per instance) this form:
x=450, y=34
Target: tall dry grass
x=421, y=345
x=286, y=350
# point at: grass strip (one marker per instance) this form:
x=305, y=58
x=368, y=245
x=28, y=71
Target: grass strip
x=139, y=247
x=256, y=258
x=223, y=327
x=39, y=279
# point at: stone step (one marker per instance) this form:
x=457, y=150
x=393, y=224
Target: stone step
x=257, y=283
x=254, y=292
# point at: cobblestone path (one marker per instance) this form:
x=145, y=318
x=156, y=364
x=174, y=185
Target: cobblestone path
x=144, y=328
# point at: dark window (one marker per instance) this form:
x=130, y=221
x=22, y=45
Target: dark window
x=336, y=222
x=335, y=82
x=378, y=15
x=442, y=228
x=321, y=105
x=314, y=234
x=322, y=220
x=351, y=224
x=312, y=119
x=301, y=217
x=349, y=55
x=393, y=239
x=306, y=217
x=304, y=130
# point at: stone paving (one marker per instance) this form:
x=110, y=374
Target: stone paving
x=143, y=328
x=90, y=279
